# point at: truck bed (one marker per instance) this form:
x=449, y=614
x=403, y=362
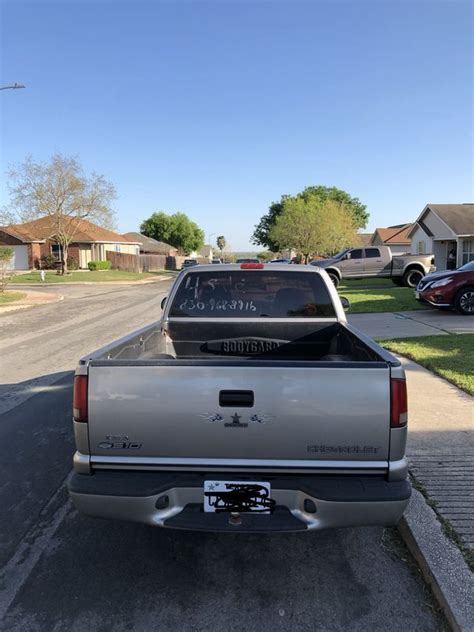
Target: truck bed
x=259, y=341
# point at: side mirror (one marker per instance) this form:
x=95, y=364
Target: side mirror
x=346, y=304
x=163, y=302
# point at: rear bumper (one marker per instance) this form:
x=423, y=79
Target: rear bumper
x=303, y=502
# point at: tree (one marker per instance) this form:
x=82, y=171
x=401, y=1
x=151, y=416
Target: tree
x=313, y=226
x=6, y=254
x=221, y=243
x=60, y=190
x=177, y=230
x=261, y=234
x=265, y=255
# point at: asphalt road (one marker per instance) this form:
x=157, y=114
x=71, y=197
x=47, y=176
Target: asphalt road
x=66, y=572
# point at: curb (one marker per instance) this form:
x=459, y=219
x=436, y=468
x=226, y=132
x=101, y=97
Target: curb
x=140, y=282
x=441, y=563
x=15, y=307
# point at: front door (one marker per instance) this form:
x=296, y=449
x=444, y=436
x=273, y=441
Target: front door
x=451, y=255
x=353, y=265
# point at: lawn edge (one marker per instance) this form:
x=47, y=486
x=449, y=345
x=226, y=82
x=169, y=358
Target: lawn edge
x=409, y=356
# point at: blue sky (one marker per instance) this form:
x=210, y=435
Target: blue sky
x=217, y=108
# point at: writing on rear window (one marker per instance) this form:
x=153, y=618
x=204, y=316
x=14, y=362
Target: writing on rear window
x=213, y=305
x=252, y=294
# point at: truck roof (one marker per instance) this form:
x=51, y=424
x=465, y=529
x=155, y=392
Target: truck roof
x=253, y=266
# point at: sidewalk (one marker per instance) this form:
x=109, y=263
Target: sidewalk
x=441, y=448
x=429, y=322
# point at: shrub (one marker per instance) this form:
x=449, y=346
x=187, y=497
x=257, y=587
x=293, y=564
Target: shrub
x=72, y=263
x=99, y=265
x=48, y=262
x=6, y=254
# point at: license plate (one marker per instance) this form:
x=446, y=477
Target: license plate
x=417, y=295
x=237, y=497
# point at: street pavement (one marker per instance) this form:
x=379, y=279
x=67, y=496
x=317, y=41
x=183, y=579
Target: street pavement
x=429, y=322
x=66, y=572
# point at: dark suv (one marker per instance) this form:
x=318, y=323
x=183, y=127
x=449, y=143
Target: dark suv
x=449, y=289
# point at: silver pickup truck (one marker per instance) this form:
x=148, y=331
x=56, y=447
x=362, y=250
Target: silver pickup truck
x=377, y=261
x=252, y=405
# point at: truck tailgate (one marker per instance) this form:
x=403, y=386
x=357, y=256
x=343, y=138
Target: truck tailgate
x=172, y=413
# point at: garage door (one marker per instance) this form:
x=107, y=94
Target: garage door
x=19, y=260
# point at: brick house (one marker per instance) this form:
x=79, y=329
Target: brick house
x=397, y=237
x=32, y=240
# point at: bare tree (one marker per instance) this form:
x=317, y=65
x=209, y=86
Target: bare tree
x=62, y=191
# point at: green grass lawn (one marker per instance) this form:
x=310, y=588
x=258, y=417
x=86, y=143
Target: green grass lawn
x=394, y=299
x=10, y=297
x=354, y=284
x=450, y=356
x=74, y=277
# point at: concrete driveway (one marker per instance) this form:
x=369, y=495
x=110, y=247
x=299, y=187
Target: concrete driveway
x=429, y=322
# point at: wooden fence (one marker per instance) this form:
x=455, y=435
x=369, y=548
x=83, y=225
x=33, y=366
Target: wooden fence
x=122, y=261
x=153, y=263
x=146, y=263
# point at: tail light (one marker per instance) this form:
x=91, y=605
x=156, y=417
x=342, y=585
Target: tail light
x=251, y=266
x=79, y=405
x=398, y=403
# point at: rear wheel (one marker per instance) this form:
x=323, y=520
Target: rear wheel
x=412, y=277
x=464, y=301
x=334, y=278
x=397, y=281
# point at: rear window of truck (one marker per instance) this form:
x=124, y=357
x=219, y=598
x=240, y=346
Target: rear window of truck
x=252, y=294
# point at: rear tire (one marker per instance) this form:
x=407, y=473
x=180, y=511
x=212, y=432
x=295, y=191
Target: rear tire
x=412, y=277
x=464, y=301
x=334, y=278
x=397, y=281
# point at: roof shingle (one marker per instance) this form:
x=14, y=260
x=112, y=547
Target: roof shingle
x=459, y=217
x=44, y=228
x=395, y=234
x=149, y=244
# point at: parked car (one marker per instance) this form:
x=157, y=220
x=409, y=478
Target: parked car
x=252, y=405
x=188, y=263
x=449, y=289
x=248, y=260
x=216, y=260
x=280, y=261
x=377, y=261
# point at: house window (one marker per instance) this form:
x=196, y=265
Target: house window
x=56, y=251
x=467, y=250
x=421, y=248
x=117, y=247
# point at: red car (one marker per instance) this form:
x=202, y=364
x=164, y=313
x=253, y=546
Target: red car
x=449, y=289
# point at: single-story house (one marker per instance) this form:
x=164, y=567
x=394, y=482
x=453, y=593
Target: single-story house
x=364, y=239
x=394, y=236
x=32, y=240
x=447, y=231
x=150, y=246
x=206, y=252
